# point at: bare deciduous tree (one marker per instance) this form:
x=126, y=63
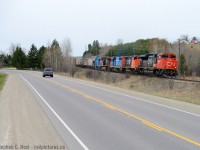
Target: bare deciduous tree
x=104, y=49
x=119, y=41
x=191, y=53
x=53, y=56
x=184, y=37
x=66, y=48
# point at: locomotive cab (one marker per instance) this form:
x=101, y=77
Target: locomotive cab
x=126, y=61
x=167, y=61
x=167, y=64
x=97, y=62
x=105, y=63
x=135, y=63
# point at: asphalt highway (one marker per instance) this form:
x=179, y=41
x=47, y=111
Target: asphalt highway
x=90, y=117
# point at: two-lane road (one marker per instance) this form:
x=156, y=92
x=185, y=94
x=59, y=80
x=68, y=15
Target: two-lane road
x=90, y=117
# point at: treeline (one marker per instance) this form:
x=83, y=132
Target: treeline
x=54, y=56
x=21, y=60
x=189, y=61
x=141, y=46
x=5, y=60
x=59, y=56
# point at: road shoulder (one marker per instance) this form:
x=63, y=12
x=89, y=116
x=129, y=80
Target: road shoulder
x=22, y=120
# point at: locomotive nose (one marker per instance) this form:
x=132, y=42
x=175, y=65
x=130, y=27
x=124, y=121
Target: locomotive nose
x=171, y=64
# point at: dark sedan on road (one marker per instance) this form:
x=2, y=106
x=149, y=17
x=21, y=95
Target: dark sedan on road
x=48, y=72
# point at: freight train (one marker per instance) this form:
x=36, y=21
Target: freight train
x=161, y=65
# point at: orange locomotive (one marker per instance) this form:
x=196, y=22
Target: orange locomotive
x=157, y=64
x=166, y=65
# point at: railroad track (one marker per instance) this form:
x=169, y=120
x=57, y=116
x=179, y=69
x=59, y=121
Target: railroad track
x=146, y=75
x=188, y=80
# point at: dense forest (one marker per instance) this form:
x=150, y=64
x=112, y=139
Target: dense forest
x=54, y=55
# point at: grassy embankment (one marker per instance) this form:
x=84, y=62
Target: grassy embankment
x=2, y=80
x=177, y=90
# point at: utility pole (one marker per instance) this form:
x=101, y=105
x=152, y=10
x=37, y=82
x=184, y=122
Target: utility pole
x=179, y=55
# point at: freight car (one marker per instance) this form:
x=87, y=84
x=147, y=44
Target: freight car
x=90, y=62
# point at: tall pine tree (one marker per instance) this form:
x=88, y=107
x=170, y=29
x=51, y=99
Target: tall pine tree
x=95, y=47
x=41, y=52
x=19, y=59
x=33, y=57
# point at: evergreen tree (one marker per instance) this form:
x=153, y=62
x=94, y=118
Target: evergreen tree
x=41, y=52
x=2, y=58
x=183, y=65
x=93, y=48
x=90, y=48
x=55, y=44
x=19, y=59
x=84, y=53
x=5, y=60
x=8, y=60
x=33, y=61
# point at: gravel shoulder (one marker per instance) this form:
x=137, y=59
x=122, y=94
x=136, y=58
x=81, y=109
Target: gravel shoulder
x=22, y=120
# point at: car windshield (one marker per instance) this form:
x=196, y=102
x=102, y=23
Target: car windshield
x=47, y=69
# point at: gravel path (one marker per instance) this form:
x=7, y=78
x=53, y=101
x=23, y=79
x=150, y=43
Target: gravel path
x=22, y=121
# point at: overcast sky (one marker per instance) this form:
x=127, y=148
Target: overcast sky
x=41, y=21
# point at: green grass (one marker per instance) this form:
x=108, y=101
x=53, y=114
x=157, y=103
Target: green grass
x=2, y=80
x=10, y=68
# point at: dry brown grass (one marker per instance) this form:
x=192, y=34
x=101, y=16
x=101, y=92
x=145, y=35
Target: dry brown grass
x=177, y=90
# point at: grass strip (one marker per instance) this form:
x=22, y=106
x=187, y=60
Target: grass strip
x=2, y=80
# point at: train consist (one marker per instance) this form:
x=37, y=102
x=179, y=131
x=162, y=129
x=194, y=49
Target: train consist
x=153, y=64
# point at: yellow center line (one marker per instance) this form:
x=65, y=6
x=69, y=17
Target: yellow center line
x=150, y=124
x=109, y=106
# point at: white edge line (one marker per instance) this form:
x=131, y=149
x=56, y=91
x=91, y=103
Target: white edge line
x=134, y=97
x=59, y=118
